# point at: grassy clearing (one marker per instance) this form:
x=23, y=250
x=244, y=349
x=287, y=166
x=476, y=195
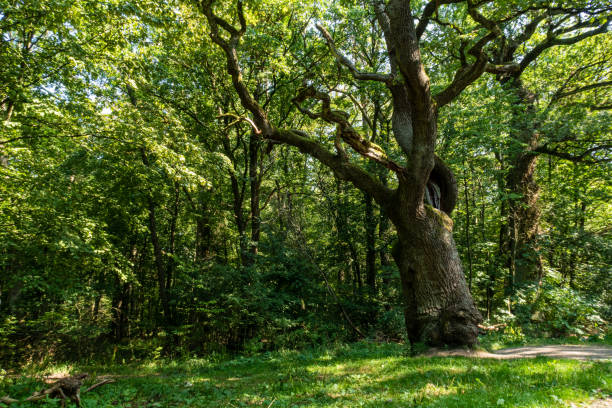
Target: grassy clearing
x=359, y=375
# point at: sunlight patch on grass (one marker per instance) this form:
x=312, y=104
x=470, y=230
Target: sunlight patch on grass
x=362, y=375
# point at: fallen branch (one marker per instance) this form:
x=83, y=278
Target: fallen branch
x=65, y=388
x=101, y=383
x=8, y=400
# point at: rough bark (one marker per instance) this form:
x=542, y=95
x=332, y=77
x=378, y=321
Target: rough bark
x=439, y=307
x=524, y=221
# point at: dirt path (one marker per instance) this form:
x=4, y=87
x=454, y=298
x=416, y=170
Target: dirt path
x=559, y=351
x=553, y=351
x=607, y=403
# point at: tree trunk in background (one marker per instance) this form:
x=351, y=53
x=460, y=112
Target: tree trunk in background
x=525, y=262
x=255, y=184
x=238, y=196
x=120, y=305
x=237, y=201
x=384, y=231
x=579, y=225
x=157, y=251
x=170, y=263
x=159, y=262
x=384, y=234
x=203, y=236
x=346, y=252
x=356, y=266
x=468, y=242
x=370, y=227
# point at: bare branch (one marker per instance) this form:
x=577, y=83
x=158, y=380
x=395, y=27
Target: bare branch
x=385, y=25
x=529, y=31
x=583, y=89
x=554, y=40
x=502, y=68
x=233, y=66
x=467, y=74
x=241, y=18
x=585, y=156
x=101, y=383
x=343, y=60
x=8, y=400
x=430, y=9
x=240, y=119
x=359, y=105
x=482, y=20
x=607, y=106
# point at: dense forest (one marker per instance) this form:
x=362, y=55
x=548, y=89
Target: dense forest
x=188, y=177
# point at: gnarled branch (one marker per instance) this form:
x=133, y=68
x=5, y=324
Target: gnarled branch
x=554, y=40
x=360, y=144
x=342, y=168
x=430, y=9
x=343, y=60
x=585, y=156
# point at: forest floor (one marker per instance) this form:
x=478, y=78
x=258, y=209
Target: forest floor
x=356, y=375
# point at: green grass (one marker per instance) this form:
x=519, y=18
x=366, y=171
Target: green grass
x=358, y=375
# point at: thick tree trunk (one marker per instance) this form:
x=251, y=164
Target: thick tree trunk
x=439, y=306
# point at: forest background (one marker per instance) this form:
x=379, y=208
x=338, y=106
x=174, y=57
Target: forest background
x=141, y=211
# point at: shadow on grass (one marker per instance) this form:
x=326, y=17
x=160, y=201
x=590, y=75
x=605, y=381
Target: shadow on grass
x=361, y=375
